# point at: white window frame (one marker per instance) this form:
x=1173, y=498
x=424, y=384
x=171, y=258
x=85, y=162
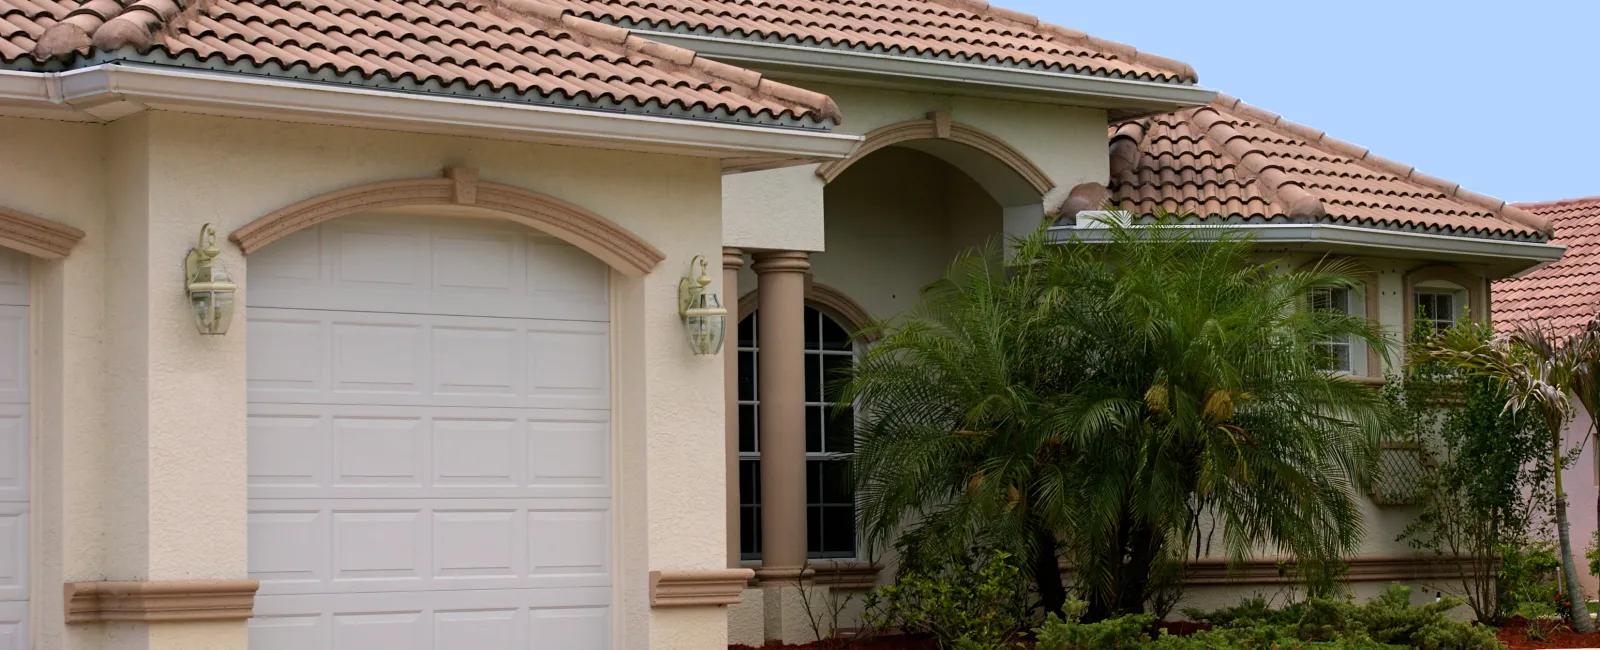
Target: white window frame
x=1355, y=305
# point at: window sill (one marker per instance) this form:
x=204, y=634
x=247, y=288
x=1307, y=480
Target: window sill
x=1364, y=380
x=838, y=574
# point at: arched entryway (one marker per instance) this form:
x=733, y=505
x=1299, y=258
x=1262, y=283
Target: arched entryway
x=430, y=432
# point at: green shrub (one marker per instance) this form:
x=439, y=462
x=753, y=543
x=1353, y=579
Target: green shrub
x=1069, y=632
x=1389, y=621
x=968, y=603
x=1528, y=572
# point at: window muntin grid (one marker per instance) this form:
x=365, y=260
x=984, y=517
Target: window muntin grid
x=1437, y=307
x=830, y=501
x=1341, y=350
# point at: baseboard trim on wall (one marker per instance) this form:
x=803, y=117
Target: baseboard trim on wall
x=698, y=588
x=161, y=601
x=1201, y=573
x=846, y=575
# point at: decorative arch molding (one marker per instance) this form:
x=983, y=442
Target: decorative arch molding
x=1369, y=304
x=37, y=237
x=939, y=126
x=460, y=187
x=1476, y=287
x=829, y=300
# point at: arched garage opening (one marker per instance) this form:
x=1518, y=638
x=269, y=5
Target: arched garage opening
x=430, y=421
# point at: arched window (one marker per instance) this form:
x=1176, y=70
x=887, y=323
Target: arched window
x=830, y=495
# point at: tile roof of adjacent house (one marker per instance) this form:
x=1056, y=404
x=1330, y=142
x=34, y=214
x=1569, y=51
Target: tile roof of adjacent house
x=517, y=50
x=1233, y=160
x=1566, y=294
x=968, y=31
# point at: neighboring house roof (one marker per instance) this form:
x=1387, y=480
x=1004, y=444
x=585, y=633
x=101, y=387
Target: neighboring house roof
x=1565, y=294
x=967, y=31
x=517, y=50
x=1236, y=161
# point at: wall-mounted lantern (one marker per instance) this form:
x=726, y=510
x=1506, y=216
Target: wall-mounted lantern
x=210, y=290
x=704, y=318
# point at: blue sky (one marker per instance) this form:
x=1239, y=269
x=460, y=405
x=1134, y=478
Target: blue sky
x=1502, y=97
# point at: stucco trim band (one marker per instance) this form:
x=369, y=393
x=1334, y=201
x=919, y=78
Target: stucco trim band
x=160, y=602
x=597, y=235
x=844, y=574
x=939, y=126
x=702, y=588
x=1268, y=571
x=35, y=236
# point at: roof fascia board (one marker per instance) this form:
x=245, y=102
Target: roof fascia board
x=108, y=91
x=1128, y=97
x=1381, y=243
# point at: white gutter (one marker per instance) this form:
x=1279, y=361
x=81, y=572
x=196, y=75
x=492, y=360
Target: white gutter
x=1395, y=243
x=832, y=65
x=109, y=91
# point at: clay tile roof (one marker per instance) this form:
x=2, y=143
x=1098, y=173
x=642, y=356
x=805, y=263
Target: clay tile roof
x=1566, y=294
x=969, y=31
x=517, y=50
x=1236, y=161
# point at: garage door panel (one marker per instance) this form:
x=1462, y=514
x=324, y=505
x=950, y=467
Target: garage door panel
x=14, y=436
x=14, y=626
x=383, y=545
x=406, y=264
x=408, y=359
x=13, y=552
x=349, y=451
x=13, y=354
x=479, y=620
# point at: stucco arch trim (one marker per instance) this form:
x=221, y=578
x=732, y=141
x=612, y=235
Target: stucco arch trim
x=37, y=237
x=460, y=187
x=939, y=126
x=831, y=301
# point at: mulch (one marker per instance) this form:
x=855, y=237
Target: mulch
x=1515, y=634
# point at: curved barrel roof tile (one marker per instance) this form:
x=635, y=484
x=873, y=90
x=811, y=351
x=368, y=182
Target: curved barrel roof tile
x=1564, y=295
x=1233, y=160
x=519, y=50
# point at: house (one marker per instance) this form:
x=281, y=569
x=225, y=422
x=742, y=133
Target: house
x=454, y=405
x=1564, y=296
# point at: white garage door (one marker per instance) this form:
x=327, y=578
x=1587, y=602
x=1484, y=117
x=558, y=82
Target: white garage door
x=429, y=439
x=14, y=439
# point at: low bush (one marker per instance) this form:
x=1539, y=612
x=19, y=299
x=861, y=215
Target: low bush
x=977, y=602
x=1388, y=622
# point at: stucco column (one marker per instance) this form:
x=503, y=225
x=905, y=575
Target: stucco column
x=732, y=261
x=781, y=380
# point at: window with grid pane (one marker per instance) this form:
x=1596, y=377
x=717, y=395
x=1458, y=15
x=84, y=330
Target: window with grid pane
x=1437, y=307
x=1340, y=350
x=830, y=498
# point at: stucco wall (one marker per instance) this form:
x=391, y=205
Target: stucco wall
x=116, y=335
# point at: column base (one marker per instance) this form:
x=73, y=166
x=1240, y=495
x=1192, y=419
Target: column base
x=747, y=619
x=787, y=619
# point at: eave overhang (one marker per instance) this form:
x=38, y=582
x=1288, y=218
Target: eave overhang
x=1509, y=256
x=1122, y=99
x=110, y=91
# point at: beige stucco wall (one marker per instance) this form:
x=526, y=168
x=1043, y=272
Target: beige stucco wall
x=124, y=376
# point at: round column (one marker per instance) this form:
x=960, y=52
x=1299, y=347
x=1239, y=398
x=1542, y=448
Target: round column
x=781, y=380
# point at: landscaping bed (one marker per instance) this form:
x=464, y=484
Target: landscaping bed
x=1515, y=635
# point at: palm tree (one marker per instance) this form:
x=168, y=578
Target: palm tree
x=1102, y=402
x=1539, y=370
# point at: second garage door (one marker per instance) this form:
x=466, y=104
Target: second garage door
x=429, y=425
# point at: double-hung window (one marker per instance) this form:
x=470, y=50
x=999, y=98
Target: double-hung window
x=1344, y=353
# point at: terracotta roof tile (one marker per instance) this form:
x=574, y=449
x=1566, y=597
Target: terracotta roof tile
x=970, y=31
x=1233, y=160
x=1565, y=294
x=520, y=50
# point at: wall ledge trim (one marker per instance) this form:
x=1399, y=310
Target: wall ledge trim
x=843, y=574
x=460, y=186
x=698, y=588
x=160, y=601
x=35, y=236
